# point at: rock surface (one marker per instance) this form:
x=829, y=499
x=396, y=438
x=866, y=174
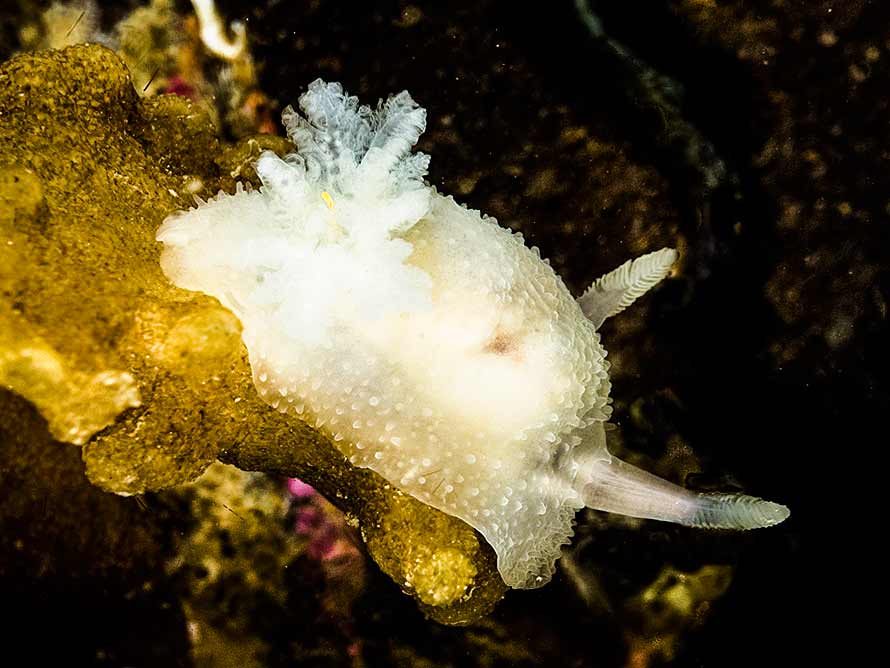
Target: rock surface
x=151, y=380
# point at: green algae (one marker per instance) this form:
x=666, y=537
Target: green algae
x=673, y=603
x=154, y=380
x=233, y=561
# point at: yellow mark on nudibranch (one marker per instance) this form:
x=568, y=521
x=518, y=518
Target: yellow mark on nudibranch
x=335, y=230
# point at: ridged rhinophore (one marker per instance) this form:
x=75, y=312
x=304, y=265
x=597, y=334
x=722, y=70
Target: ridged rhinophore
x=737, y=511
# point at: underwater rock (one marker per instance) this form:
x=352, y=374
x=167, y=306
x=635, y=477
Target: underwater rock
x=823, y=175
x=69, y=550
x=89, y=170
x=673, y=603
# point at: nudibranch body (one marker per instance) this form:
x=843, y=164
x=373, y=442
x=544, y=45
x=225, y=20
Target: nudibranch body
x=430, y=343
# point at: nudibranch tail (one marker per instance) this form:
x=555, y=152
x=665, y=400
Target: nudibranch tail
x=615, y=486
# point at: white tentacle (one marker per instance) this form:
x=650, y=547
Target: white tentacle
x=621, y=287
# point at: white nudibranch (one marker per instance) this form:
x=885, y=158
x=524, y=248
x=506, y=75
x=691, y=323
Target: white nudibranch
x=430, y=343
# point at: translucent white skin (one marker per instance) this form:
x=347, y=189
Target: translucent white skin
x=430, y=343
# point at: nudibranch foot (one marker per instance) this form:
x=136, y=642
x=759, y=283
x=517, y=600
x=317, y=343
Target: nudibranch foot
x=615, y=486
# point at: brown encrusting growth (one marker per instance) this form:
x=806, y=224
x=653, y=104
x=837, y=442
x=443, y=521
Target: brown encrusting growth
x=151, y=379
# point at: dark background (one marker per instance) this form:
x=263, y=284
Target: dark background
x=752, y=135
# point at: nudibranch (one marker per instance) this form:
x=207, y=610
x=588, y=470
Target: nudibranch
x=430, y=343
